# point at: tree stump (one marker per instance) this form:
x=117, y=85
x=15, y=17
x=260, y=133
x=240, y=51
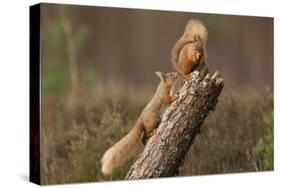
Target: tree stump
x=165, y=151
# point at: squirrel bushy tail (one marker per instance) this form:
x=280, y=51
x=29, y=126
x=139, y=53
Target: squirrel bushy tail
x=194, y=28
x=115, y=155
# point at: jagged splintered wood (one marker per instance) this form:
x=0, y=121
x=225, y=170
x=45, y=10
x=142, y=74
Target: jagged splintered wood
x=165, y=151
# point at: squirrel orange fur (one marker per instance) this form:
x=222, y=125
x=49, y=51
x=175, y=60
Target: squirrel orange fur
x=190, y=48
x=144, y=126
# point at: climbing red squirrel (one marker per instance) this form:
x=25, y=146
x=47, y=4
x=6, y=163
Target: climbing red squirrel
x=145, y=125
x=190, y=48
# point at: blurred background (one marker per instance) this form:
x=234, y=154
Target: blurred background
x=97, y=74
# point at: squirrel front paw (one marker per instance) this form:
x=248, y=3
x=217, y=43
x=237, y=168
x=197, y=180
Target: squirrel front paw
x=173, y=98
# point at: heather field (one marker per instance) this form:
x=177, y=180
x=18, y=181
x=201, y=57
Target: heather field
x=236, y=137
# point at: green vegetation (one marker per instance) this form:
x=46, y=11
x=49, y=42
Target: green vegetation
x=264, y=147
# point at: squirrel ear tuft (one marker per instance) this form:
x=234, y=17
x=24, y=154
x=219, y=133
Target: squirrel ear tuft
x=160, y=75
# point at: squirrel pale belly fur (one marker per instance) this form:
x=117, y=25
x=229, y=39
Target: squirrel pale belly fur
x=190, y=48
x=145, y=125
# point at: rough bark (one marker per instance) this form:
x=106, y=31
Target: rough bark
x=165, y=151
